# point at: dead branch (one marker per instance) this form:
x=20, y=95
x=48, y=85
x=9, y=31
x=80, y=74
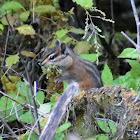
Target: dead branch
x=58, y=113
x=114, y=103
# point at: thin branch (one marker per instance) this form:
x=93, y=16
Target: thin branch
x=33, y=128
x=6, y=95
x=135, y=11
x=8, y=128
x=138, y=34
x=112, y=17
x=129, y=39
x=33, y=10
x=6, y=43
x=34, y=103
x=137, y=25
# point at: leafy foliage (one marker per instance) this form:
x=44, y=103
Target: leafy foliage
x=16, y=13
x=9, y=108
x=130, y=79
x=10, y=6
x=107, y=126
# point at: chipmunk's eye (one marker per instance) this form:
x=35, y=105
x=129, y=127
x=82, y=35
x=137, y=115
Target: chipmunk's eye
x=51, y=57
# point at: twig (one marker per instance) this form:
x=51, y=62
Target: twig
x=6, y=95
x=135, y=11
x=138, y=34
x=33, y=128
x=112, y=17
x=34, y=103
x=33, y=10
x=3, y=63
x=129, y=39
x=8, y=128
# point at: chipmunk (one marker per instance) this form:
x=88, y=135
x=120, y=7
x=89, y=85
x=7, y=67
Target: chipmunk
x=74, y=68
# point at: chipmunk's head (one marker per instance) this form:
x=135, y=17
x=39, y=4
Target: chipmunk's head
x=58, y=55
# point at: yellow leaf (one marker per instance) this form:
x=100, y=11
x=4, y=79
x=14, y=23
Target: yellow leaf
x=26, y=30
x=82, y=47
x=9, y=86
x=28, y=54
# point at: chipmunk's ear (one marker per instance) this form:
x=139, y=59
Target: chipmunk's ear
x=63, y=48
x=57, y=44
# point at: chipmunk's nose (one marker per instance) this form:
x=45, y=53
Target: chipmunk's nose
x=40, y=62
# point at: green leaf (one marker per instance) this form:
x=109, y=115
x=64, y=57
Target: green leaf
x=45, y=9
x=11, y=5
x=65, y=39
x=45, y=108
x=84, y=3
x=77, y=31
x=26, y=136
x=23, y=88
x=40, y=97
x=90, y=57
x=135, y=65
x=129, y=80
x=102, y=137
x=59, y=136
x=27, y=118
x=26, y=30
x=54, y=98
x=127, y=54
x=24, y=16
x=12, y=59
x=1, y=27
x=63, y=127
x=61, y=33
x=106, y=76
x=107, y=126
